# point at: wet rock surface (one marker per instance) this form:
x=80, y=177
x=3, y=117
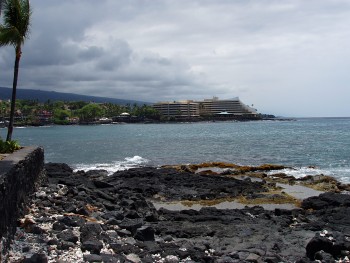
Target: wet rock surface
x=92, y=217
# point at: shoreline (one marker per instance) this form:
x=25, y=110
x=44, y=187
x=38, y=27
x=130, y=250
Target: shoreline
x=179, y=121
x=91, y=217
x=156, y=122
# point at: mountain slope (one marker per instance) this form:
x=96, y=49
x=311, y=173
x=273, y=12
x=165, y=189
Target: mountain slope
x=44, y=96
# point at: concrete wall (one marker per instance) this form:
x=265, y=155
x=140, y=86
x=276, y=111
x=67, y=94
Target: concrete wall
x=20, y=174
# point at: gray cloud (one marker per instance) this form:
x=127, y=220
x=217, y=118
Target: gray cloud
x=285, y=57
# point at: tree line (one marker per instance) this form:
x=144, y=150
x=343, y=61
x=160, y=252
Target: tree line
x=32, y=112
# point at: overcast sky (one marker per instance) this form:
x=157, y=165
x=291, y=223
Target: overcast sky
x=289, y=57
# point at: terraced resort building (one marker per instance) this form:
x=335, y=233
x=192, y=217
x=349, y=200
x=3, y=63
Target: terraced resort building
x=210, y=108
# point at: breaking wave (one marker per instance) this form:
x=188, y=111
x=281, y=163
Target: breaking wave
x=340, y=173
x=127, y=163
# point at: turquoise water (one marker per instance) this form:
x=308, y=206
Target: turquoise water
x=320, y=142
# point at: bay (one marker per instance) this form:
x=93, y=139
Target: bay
x=320, y=142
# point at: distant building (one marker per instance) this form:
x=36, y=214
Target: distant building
x=44, y=117
x=178, y=109
x=208, y=107
x=233, y=107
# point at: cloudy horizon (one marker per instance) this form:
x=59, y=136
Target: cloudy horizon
x=286, y=58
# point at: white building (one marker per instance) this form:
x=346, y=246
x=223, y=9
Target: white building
x=178, y=109
x=233, y=107
x=208, y=107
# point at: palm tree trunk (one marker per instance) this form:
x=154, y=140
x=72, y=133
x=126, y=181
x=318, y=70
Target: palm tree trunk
x=14, y=91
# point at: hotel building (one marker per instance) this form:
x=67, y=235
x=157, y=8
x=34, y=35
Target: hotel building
x=233, y=107
x=178, y=109
x=207, y=108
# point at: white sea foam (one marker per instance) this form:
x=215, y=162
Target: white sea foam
x=127, y=163
x=299, y=172
x=136, y=160
x=342, y=173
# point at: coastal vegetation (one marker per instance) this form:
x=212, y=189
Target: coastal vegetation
x=13, y=32
x=8, y=146
x=32, y=112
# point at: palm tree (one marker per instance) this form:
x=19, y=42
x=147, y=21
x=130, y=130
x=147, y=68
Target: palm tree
x=14, y=31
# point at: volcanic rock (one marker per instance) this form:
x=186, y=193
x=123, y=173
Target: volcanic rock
x=115, y=218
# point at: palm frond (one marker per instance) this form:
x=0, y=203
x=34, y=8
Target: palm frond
x=9, y=36
x=16, y=15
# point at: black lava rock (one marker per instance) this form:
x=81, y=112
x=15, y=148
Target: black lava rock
x=145, y=233
x=67, y=235
x=92, y=258
x=94, y=246
x=90, y=231
x=36, y=258
x=131, y=224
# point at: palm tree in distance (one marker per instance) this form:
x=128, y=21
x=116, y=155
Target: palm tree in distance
x=14, y=31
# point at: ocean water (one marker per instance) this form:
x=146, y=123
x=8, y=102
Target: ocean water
x=323, y=143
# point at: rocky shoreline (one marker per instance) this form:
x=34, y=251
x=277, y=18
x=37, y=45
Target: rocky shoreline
x=91, y=217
